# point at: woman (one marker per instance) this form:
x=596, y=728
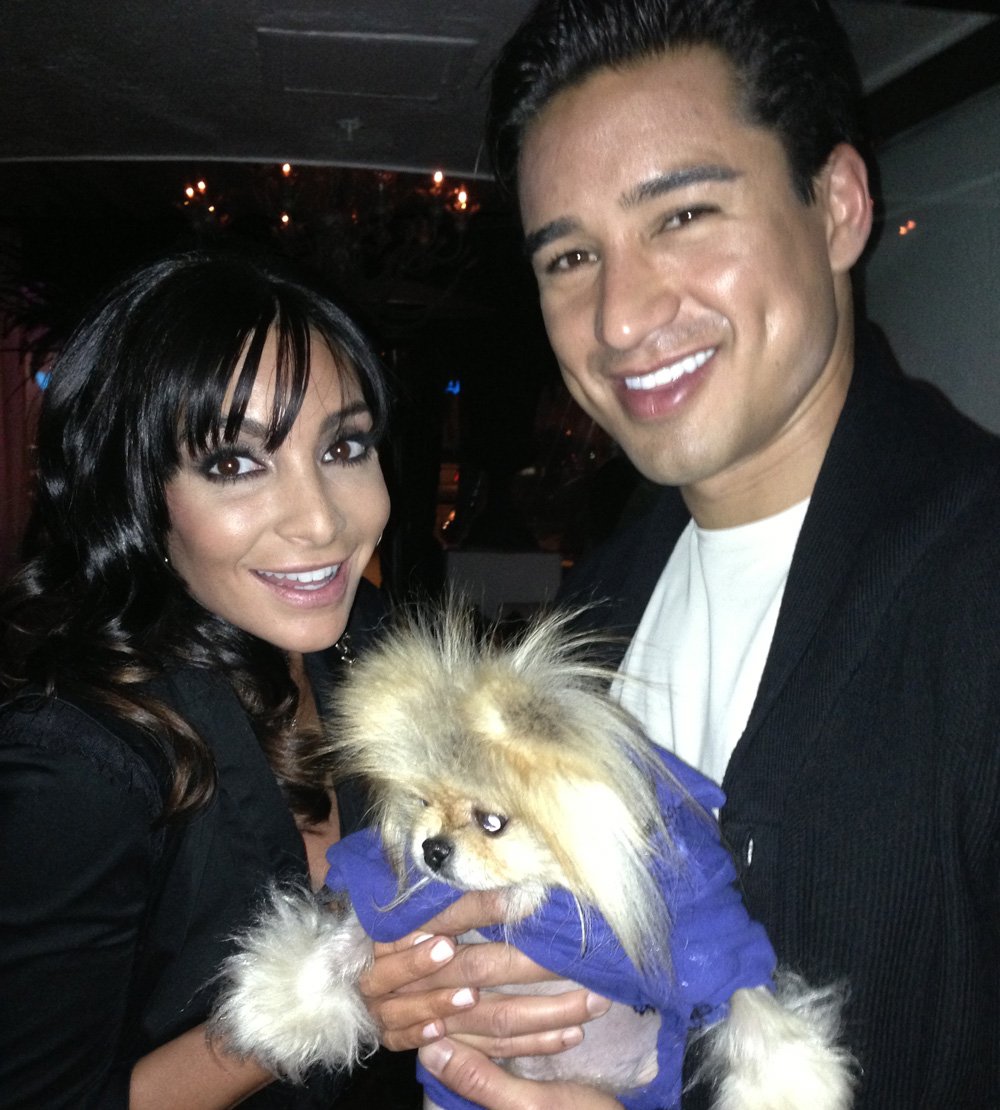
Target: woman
x=209, y=494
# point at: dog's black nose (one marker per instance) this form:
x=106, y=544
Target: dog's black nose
x=436, y=851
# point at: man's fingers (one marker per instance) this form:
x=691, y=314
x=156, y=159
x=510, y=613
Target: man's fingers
x=534, y=1044
x=474, y=1076
x=513, y=1024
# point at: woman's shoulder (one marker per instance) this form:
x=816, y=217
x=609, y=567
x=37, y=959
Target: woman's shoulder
x=63, y=739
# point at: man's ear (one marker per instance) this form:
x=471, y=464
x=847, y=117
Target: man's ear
x=842, y=187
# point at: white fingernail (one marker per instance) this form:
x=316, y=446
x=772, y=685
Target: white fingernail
x=443, y=950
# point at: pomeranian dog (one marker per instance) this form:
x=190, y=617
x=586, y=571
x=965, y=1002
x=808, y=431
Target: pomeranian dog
x=509, y=767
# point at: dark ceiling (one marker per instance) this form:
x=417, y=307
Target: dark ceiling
x=109, y=109
x=396, y=84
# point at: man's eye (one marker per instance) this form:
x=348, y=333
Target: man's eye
x=490, y=823
x=686, y=216
x=569, y=260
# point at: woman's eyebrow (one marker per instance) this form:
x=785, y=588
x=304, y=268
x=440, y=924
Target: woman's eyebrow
x=254, y=429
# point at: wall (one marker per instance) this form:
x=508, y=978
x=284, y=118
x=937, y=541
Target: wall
x=935, y=290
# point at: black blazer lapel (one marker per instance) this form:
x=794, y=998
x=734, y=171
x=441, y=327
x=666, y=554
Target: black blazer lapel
x=616, y=581
x=890, y=482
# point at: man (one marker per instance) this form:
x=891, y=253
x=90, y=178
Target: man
x=812, y=603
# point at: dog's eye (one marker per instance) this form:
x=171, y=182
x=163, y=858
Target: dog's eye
x=491, y=823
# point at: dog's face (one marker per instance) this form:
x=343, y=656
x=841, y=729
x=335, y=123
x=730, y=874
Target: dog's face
x=465, y=835
x=505, y=768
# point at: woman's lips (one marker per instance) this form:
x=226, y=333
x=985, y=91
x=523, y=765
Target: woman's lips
x=318, y=586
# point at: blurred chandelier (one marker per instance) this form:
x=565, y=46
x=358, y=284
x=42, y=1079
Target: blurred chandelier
x=396, y=242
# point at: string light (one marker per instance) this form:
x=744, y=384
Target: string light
x=286, y=169
x=905, y=229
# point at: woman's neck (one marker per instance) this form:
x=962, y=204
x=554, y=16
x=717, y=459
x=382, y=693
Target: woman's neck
x=307, y=715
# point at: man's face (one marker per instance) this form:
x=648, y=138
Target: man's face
x=691, y=298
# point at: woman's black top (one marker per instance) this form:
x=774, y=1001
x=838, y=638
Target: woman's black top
x=111, y=926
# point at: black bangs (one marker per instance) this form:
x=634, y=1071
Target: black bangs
x=213, y=406
x=163, y=372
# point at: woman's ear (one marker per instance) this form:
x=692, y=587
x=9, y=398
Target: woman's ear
x=842, y=187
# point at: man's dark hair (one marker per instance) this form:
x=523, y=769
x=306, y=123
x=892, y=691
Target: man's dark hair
x=797, y=75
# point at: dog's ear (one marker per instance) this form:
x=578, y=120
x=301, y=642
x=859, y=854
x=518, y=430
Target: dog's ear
x=603, y=847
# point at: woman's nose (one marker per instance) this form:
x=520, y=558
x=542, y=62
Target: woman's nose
x=311, y=513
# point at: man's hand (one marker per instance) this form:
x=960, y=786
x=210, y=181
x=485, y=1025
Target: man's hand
x=474, y=1076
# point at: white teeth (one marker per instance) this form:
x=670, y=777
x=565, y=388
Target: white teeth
x=666, y=375
x=304, y=579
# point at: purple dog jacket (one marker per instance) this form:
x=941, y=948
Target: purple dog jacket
x=715, y=948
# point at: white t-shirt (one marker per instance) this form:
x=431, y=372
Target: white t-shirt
x=692, y=670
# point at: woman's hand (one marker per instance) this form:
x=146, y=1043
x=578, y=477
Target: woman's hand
x=425, y=986
x=473, y=1075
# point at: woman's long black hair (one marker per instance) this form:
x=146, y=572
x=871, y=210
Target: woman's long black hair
x=96, y=612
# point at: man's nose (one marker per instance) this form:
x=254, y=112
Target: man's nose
x=636, y=298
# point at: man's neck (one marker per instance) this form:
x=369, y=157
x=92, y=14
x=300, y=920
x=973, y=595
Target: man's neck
x=781, y=474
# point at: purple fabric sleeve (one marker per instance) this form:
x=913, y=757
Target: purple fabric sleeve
x=714, y=946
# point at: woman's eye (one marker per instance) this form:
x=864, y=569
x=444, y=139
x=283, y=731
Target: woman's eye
x=232, y=466
x=348, y=450
x=490, y=823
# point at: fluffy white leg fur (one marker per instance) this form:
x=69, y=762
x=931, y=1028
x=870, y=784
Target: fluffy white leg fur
x=289, y=994
x=779, y=1051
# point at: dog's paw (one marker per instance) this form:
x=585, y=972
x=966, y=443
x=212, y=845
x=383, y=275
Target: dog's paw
x=289, y=995
x=779, y=1051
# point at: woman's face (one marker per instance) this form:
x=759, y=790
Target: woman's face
x=276, y=543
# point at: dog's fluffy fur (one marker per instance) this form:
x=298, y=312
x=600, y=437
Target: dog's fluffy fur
x=490, y=767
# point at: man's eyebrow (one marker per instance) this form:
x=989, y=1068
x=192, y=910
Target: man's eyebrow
x=676, y=179
x=548, y=233
x=644, y=191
